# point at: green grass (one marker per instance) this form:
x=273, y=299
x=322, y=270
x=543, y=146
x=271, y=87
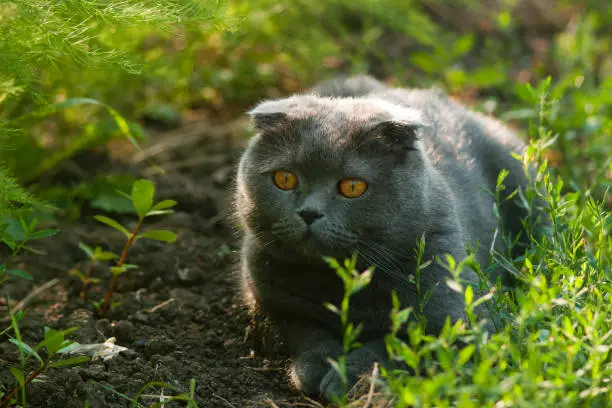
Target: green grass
x=556, y=342
x=78, y=74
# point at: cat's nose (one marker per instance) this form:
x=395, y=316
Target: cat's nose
x=310, y=216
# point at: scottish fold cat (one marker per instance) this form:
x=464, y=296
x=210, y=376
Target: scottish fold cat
x=354, y=166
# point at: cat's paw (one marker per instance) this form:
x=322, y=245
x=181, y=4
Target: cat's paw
x=331, y=386
x=307, y=376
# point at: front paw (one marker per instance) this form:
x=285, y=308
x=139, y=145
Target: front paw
x=331, y=386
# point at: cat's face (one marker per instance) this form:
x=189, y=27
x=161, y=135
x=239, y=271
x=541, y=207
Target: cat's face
x=321, y=178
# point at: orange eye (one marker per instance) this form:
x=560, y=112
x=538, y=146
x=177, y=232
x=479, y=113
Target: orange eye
x=352, y=188
x=285, y=180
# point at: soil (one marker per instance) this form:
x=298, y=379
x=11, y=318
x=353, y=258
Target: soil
x=180, y=315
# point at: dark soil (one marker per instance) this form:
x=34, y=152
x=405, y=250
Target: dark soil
x=180, y=315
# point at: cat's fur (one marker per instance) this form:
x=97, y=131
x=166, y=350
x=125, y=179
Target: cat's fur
x=426, y=159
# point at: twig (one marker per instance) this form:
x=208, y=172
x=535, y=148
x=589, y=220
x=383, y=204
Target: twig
x=163, y=304
x=115, y=279
x=272, y=403
x=372, y=381
x=314, y=403
x=88, y=273
x=229, y=404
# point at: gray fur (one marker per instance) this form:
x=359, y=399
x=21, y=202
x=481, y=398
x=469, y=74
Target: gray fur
x=425, y=158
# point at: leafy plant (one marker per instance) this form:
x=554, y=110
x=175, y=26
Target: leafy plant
x=58, y=55
x=16, y=235
x=143, y=192
x=95, y=255
x=54, y=341
x=353, y=281
x=188, y=397
x=555, y=346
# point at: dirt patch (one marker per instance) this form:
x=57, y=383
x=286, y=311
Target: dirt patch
x=180, y=315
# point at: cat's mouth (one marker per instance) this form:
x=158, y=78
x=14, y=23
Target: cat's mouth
x=306, y=243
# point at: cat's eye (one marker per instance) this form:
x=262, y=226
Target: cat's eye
x=285, y=180
x=352, y=187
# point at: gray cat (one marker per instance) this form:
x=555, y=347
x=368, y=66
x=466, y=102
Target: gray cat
x=356, y=166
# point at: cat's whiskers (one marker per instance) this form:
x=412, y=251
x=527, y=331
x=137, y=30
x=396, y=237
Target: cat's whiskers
x=389, y=251
x=383, y=262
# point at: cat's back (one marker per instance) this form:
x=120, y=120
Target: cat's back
x=459, y=140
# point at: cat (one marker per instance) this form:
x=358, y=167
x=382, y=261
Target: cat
x=356, y=166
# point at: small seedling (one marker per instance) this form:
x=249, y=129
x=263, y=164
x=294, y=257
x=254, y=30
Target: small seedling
x=95, y=255
x=188, y=397
x=143, y=192
x=353, y=283
x=16, y=240
x=54, y=342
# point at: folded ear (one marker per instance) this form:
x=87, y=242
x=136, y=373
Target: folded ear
x=270, y=115
x=400, y=128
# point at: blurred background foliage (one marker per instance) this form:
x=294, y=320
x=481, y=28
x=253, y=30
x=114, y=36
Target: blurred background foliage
x=77, y=74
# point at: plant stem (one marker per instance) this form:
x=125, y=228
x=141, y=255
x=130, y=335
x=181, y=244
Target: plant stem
x=6, y=401
x=86, y=280
x=115, y=279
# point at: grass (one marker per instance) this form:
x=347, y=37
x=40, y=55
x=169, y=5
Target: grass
x=556, y=342
x=79, y=76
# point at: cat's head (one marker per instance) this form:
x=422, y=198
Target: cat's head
x=327, y=176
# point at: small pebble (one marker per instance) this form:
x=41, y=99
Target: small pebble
x=139, y=344
x=156, y=285
x=188, y=275
x=159, y=345
x=124, y=331
x=104, y=327
x=95, y=372
x=140, y=317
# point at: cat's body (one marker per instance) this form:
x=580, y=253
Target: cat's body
x=424, y=161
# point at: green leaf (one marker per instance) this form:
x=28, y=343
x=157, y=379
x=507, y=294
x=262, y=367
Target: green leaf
x=454, y=285
x=501, y=176
x=333, y=309
x=24, y=226
x=87, y=249
x=113, y=202
x=78, y=273
x=126, y=195
x=142, y=196
x=105, y=256
x=33, y=224
x=465, y=354
x=159, y=235
x=33, y=250
x=54, y=340
x=113, y=224
x=162, y=205
x=469, y=295
x=118, y=270
x=160, y=212
x=18, y=374
x=20, y=274
x=43, y=234
x=8, y=240
x=69, y=361
x=26, y=348
x=463, y=45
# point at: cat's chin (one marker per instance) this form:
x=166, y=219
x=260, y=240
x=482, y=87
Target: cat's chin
x=306, y=249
